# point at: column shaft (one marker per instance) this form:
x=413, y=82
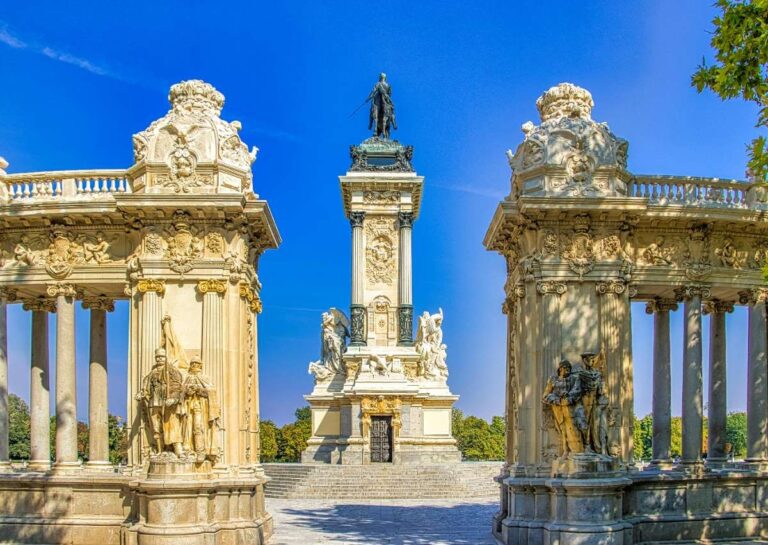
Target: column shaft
x=66, y=381
x=406, y=290
x=4, y=451
x=718, y=407
x=662, y=388
x=551, y=350
x=757, y=375
x=213, y=353
x=40, y=394
x=357, y=310
x=98, y=415
x=693, y=401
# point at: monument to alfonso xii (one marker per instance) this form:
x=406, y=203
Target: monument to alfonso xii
x=179, y=235
x=583, y=238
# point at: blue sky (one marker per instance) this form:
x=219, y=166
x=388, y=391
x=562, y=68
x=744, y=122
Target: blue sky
x=79, y=81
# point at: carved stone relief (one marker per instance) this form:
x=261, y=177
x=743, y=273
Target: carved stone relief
x=380, y=250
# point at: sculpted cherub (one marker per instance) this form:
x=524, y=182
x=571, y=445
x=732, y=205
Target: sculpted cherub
x=96, y=252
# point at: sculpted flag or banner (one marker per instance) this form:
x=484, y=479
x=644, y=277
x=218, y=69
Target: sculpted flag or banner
x=173, y=349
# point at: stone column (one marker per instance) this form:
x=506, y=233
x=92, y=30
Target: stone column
x=662, y=381
x=98, y=408
x=6, y=296
x=693, y=394
x=757, y=376
x=357, y=309
x=615, y=340
x=212, y=347
x=40, y=389
x=405, y=320
x=66, y=377
x=149, y=332
x=551, y=350
x=718, y=407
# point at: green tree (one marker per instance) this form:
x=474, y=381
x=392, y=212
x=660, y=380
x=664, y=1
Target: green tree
x=477, y=441
x=293, y=438
x=736, y=433
x=118, y=440
x=643, y=437
x=268, y=435
x=740, y=41
x=676, y=439
x=18, y=428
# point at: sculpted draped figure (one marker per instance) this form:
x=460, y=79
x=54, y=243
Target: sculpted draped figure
x=203, y=414
x=578, y=402
x=382, y=114
x=429, y=345
x=334, y=332
x=162, y=399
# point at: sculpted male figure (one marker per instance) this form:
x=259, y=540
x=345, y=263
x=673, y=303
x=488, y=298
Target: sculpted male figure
x=162, y=396
x=594, y=401
x=563, y=394
x=203, y=413
x=382, y=113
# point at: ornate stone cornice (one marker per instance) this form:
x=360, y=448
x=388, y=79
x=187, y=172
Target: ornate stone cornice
x=150, y=284
x=405, y=219
x=660, y=305
x=356, y=219
x=716, y=306
x=43, y=304
x=212, y=286
x=615, y=287
x=550, y=287
x=753, y=296
x=106, y=304
x=684, y=293
x=67, y=290
x=251, y=297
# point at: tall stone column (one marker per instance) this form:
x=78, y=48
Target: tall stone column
x=40, y=389
x=693, y=394
x=212, y=348
x=511, y=308
x=718, y=407
x=757, y=375
x=551, y=346
x=66, y=377
x=149, y=306
x=98, y=408
x=357, y=308
x=615, y=339
x=405, y=319
x=5, y=297
x=662, y=381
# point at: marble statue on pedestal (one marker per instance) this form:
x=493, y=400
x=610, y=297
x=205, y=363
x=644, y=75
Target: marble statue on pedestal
x=334, y=332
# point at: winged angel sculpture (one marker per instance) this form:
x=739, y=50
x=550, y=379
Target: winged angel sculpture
x=334, y=333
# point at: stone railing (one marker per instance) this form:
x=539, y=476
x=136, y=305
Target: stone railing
x=63, y=185
x=691, y=191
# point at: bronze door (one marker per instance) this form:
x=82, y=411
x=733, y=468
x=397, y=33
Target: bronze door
x=381, y=439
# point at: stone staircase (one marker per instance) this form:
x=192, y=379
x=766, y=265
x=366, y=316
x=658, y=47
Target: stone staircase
x=380, y=481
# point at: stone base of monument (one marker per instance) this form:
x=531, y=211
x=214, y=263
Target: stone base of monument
x=565, y=511
x=585, y=465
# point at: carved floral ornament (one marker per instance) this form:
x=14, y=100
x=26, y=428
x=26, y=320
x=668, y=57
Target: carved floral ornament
x=686, y=293
x=660, y=305
x=613, y=287
x=380, y=250
x=212, y=286
x=100, y=302
x=40, y=304
x=550, y=287
x=64, y=290
x=251, y=297
x=754, y=296
x=717, y=306
x=146, y=285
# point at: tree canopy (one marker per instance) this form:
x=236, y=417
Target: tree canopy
x=740, y=41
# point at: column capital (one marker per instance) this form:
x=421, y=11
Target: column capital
x=67, y=290
x=753, y=296
x=405, y=219
x=150, y=284
x=515, y=291
x=8, y=294
x=42, y=304
x=356, y=218
x=551, y=287
x=252, y=298
x=614, y=287
x=685, y=293
x=660, y=305
x=717, y=306
x=99, y=302
x=212, y=286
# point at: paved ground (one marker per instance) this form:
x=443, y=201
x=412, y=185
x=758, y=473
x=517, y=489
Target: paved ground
x=382, y=522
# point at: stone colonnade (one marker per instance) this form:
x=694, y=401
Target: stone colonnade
x=60, y=300
x=697, y=301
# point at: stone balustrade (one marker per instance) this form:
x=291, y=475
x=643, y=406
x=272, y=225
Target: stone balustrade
x=693, y=191
x=33, y=187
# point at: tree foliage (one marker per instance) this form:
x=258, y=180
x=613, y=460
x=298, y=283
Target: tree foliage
x=478, y=440
x=740, y=41
x=18, y=428
x=269, y=433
